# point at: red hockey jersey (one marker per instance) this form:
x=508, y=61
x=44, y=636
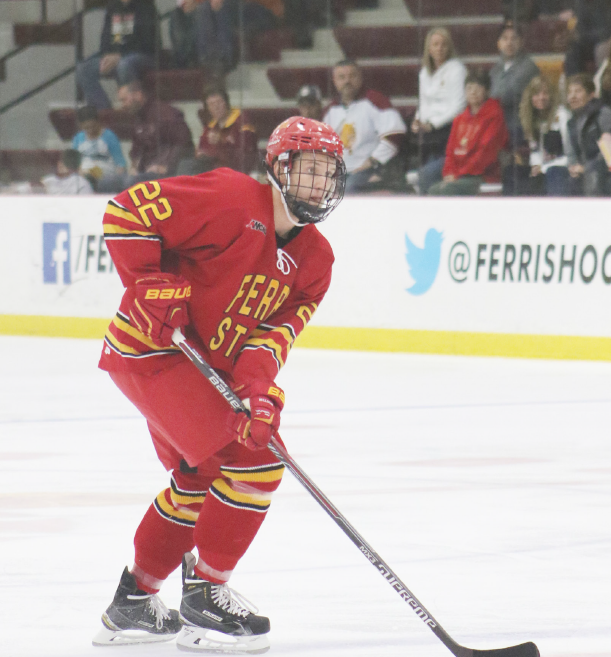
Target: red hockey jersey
x=250, y=298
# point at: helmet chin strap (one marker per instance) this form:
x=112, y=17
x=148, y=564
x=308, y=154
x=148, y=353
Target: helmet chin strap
x=290, y=217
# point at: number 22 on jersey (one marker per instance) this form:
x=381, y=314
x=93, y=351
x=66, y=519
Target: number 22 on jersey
x=160, y=207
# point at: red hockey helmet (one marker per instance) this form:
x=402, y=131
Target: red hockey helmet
x=303, y=199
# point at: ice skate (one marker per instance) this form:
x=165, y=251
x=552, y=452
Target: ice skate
x=217, y=619
x=135, y=616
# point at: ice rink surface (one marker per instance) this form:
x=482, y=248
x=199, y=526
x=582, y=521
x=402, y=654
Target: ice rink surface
x=485, y=483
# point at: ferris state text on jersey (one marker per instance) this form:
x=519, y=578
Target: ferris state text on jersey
x=249, y=298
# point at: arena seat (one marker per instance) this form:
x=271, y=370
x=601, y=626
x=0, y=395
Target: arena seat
x=29, y=34
x=120, y=122
x=263, y=119
x=408, y=40
x=267, y=46
x=28, y=165
x=389, y=79
x=430, y=8
x=178, y=85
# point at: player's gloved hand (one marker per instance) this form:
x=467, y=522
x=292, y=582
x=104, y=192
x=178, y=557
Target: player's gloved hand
x=265, y=401
x=160, y=306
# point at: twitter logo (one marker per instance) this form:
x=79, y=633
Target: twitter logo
x=423, y=263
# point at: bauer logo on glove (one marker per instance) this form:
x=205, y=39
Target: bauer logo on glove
x=265, y=401
x=160, y=306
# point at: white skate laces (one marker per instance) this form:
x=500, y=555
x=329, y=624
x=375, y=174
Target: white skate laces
x=231, y=601
x=156, y=607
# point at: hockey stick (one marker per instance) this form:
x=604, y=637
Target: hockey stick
x=523, y=650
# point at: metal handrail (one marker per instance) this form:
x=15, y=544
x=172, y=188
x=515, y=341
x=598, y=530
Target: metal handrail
x=57, y=26
x=56, y=78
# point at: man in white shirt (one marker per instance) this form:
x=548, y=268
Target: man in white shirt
x=370, y=128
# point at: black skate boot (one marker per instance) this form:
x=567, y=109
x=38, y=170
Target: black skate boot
x=218, y=619
x=135, y=616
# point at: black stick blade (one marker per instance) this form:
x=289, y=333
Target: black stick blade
x=523, y=650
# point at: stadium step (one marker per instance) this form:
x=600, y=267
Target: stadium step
x=28, y=165
x=391, y=79
x=30, y=34
x=430, y=8
x=408, y=40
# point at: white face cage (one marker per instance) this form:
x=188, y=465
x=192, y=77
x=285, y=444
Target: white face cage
x=311, y=188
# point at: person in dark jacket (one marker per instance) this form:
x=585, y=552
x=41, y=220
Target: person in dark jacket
x=591, y=119
x=592, y=30
x=161, y=139
x=127, y=48
x=202, y=35
x=183, y=34
x=509, y=76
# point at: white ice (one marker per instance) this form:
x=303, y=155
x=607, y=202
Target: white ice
x=485, y=484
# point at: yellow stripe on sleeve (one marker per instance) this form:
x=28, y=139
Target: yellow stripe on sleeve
x=114, y=211
x=120, y=346
x=113, y=229
x=258, y=342
x=138, y=335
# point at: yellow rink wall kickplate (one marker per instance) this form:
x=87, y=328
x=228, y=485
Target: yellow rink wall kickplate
x=362, y=339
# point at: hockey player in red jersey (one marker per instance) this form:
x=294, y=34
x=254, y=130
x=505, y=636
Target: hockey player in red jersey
x=240, y=267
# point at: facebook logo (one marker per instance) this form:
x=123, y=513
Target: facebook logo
x=56, y=253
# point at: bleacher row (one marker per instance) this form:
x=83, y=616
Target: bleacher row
x=389, y=56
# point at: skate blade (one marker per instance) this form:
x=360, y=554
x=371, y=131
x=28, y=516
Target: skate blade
x=106, y=637
x=199, y=639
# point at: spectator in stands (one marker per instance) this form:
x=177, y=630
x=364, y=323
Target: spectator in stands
x=99, y=147
x=309, y=102
x=161, y=139
x=304, y=16
x=371, y=130
x=545, y=125
x=441, y=98
x=227, y=141
x=510, y=75
x=591, y=119
x=477, y=137
x=183, y=34
x=590, y=37
x=214, y=33
x=528, y=10
x=259, y=15
x=128, y=44
x=67, y=178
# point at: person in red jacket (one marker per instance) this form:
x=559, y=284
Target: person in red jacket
x=477, y=137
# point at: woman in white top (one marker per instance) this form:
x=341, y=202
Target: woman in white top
x=544, y=122
x=441, y=99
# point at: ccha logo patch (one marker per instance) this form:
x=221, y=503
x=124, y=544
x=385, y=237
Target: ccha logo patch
x=423, y=264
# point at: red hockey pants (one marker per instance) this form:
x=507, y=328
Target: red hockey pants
x=219, y=492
